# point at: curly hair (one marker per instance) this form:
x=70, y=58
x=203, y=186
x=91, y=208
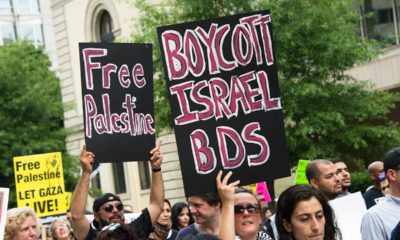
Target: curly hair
x=175, y=211
x=15, y=218
x=289, y=200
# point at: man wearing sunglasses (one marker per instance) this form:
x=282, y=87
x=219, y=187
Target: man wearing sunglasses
x=108, y=208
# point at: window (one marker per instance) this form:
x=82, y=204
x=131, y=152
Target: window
x=7, y=33
x=119, y=177
x=28, y=6
x=105, y=28
x=96, y=181
x=384, y=16
x=33, y=32
x=144, y=174
x=6, y=6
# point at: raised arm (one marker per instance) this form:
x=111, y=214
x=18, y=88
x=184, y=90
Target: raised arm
x=227, y=194
x=157, y=185
x=80, y=224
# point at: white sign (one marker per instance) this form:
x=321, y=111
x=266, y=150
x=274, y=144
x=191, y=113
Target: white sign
x=349, y=211
x=3, y=209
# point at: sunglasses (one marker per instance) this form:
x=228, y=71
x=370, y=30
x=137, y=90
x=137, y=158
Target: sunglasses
x=110, y=207
x=250, y=209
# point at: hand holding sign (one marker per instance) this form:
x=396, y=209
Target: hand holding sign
x=226, y=191
x=156, y=158
x=87, y=159
x=227, y=194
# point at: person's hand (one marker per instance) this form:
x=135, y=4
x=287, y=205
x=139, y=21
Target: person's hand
x=156, y=156
x=226, y=191
x=87, y=159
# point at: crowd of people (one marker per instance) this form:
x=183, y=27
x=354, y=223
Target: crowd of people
x=302, y=211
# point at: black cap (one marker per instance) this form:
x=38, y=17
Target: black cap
x=108, y=197
x=392, y=159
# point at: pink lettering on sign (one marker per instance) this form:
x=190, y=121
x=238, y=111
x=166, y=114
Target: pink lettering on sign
x=88, y=54
x=122, y=72
x=125, y=122
x=248, y=92
x=204, y=154
x=205, y=161
x=185, y=54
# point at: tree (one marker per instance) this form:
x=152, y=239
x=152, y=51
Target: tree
x=31, y=112
x=327, y=113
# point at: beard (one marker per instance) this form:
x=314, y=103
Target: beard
x=104, y=222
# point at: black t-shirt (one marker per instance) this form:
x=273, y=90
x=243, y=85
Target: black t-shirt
x=372, y=196
x=141, y=225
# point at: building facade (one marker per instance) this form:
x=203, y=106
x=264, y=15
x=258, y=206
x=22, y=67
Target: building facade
x=105, y=21
x=28, y=20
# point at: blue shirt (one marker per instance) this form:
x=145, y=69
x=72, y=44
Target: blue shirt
x=381, y=219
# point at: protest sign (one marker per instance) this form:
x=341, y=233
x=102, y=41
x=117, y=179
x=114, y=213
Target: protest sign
x=349, y=211
x=225, y=102
x=117, y=98
x=39, y=182
x=261, y=190
x=4, y=192
x=68, y=197
x=301, y=177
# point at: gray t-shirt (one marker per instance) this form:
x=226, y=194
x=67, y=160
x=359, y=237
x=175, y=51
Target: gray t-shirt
x=381, y=219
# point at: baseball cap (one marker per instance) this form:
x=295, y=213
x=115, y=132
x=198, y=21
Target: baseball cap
x=108, y=197
x=392, y=159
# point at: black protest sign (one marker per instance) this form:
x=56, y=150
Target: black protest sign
x=117, y=95
x=224, y=95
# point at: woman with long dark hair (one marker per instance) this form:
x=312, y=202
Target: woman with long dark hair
x=162, y=228
x=181, y=216
x=303, y=212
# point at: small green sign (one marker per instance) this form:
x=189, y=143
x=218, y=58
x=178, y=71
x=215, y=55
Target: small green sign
x=301, y=172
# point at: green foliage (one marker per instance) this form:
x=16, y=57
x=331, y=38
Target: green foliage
x=95, y=192
x=360, y=181
x=31, y=111
x=327, y=113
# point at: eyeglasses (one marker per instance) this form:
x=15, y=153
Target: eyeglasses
x=110, y=207
x=250, y=209
x=62, y=225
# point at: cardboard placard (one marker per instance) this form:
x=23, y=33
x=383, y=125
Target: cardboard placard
x=224, y=95
x=349, y=211
x=39, y=182
x=261, y=190
x=301, y=177
x=117, y=98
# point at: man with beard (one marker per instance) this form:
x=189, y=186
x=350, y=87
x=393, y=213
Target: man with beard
x=206, y=211
x=322, y=175
x=109, y=208
x=343, y=172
